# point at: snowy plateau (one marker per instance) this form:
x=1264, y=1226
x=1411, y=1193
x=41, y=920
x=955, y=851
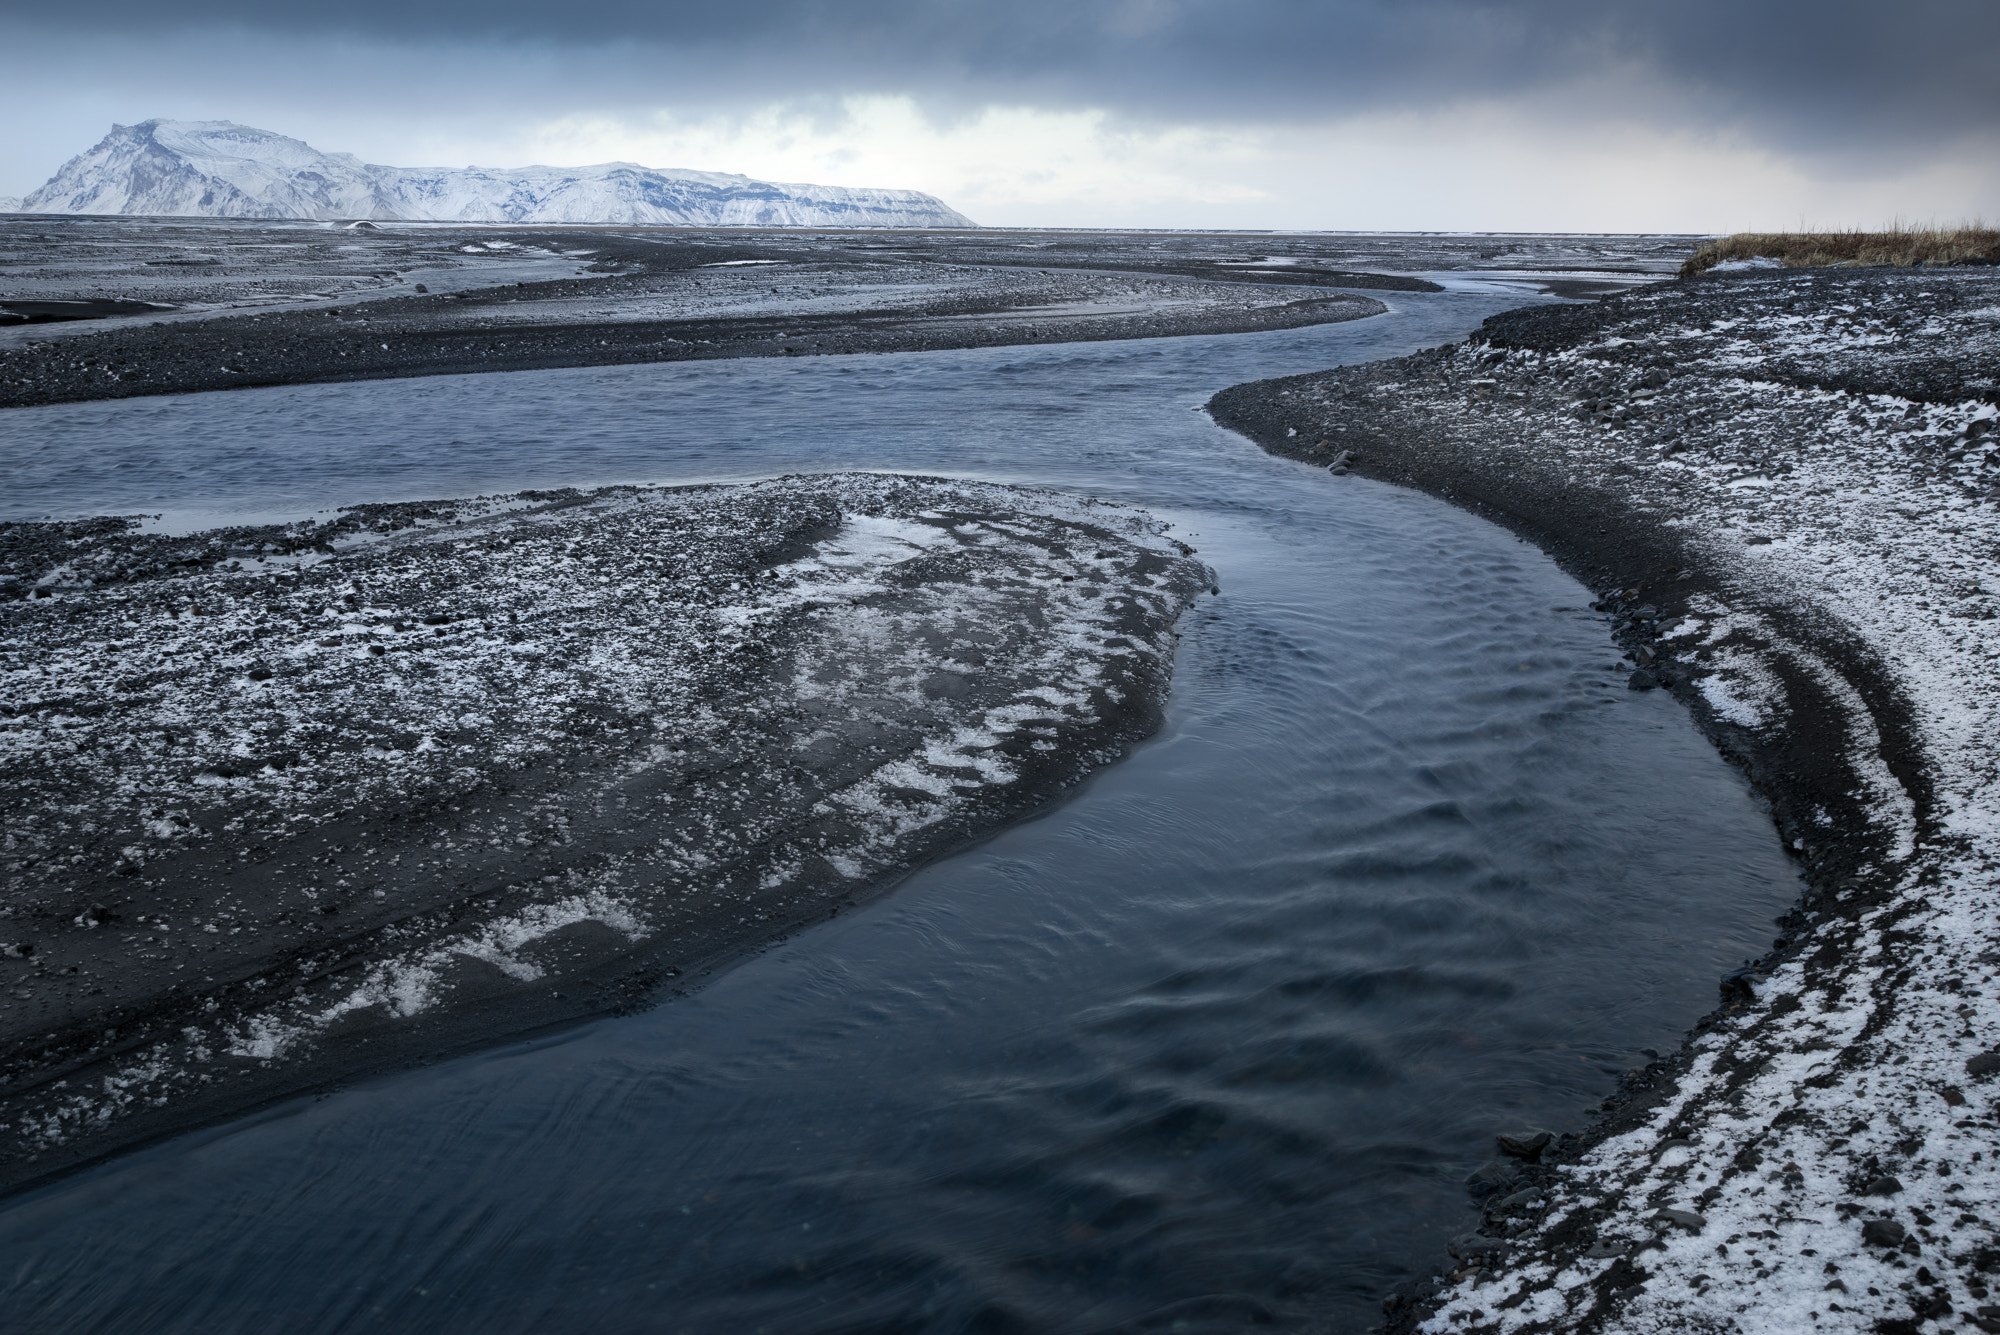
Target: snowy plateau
x=217, y=169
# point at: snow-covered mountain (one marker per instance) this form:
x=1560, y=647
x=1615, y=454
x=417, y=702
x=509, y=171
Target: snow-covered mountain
x=217, y=169
x=9, y=204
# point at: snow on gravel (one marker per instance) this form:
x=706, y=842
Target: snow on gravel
x=1828, y=1160
x=275, y=791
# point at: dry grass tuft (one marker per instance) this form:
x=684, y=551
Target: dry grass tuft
x=1806, y=250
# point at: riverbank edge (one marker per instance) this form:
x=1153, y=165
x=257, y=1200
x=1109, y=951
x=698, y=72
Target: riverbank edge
x=1858, y=885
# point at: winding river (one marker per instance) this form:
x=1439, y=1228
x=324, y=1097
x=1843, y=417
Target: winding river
x=1212, y=1044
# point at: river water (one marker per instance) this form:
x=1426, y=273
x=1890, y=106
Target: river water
x=1212, y=1044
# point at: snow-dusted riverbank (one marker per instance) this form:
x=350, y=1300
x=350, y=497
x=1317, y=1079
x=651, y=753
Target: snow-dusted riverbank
x=1784, y=486
x=293, y=803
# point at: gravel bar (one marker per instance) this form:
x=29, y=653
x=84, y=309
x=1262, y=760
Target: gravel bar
x=294, y=804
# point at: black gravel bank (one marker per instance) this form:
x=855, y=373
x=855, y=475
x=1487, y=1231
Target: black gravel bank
x=1782, y=487
x=289, y=805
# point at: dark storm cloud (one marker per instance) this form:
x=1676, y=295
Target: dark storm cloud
x=1828, y=72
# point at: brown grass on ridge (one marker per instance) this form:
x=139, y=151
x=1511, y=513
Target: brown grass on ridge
x=1806, y=250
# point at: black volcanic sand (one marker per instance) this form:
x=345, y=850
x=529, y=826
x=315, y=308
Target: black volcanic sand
x=248, y=303
x=1785, y=487
x=286, y=805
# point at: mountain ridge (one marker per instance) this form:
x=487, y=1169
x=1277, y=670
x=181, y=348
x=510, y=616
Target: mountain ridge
x=220, y=169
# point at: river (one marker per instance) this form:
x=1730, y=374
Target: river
x=1212, y=1044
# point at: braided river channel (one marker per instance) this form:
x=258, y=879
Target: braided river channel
x=1211, y=1045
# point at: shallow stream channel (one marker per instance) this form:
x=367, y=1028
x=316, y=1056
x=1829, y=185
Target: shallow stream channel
x=1211, y=1045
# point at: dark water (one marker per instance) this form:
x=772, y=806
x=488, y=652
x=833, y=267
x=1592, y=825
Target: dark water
x=1211, y=1045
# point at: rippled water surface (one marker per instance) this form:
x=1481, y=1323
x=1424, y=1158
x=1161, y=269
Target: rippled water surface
x=1211, y=1045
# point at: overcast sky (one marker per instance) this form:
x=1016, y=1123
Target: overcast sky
x=1586, y=115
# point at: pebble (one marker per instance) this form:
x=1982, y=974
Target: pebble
x=1883, y=1232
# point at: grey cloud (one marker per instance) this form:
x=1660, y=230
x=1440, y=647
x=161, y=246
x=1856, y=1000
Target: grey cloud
x=1835, y=72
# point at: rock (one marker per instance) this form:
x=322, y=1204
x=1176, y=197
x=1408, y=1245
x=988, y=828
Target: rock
x=1882, y=1186
x=1986, y=1063
x=18, y=950
x=1741, y=985
x=1883, y=1232
x=422, y=288
x=1477, y=1250
x=1604, y=1251
x=1642, y=680
x=1492, y=1177
x=1931, y=1308
x=1522, y=1199
x=1527, y=1144
x=1686, y=1219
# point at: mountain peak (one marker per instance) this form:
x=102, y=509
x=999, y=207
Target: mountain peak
x=220, y=169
